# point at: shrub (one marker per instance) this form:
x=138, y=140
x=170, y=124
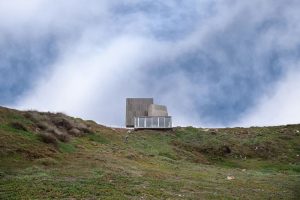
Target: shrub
x=28, y=115
x=82, y=127
x=63, y=137
x=42, y=125
x=48, y=138
x=18, y=126
x=62, y=123
x=75, y=132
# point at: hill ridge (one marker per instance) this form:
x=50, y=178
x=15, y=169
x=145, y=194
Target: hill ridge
x=51, y=155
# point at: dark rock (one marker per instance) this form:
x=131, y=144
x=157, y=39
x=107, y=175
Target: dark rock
x=225, y=150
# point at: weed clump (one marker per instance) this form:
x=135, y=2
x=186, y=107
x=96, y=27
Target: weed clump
x=75, y=132
x=42, y=125
x=58, y=125
x=64, y=137
x=62, y=123
x=61, y=136
x=48, y=138
x=18, y=126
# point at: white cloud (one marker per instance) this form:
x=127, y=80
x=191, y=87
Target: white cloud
x=281, y=106
x=84, y=82
x=105, y=54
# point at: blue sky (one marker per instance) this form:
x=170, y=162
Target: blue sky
x=213, y=63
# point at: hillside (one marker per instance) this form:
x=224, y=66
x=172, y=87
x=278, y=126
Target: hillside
x=47, y=155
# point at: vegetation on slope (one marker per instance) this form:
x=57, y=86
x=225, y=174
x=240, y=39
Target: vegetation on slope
x=46, y=155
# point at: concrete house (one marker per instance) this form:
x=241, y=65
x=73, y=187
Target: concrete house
x=142, y=113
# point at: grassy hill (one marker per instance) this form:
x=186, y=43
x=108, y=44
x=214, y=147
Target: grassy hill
x=46, y=155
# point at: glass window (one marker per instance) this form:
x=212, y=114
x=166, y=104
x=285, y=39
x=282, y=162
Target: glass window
x=161, y=122
x=148, y=122
x=168, y=122
x=155, y=122
x=141, y=122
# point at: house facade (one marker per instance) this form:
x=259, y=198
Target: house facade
x=142, y=113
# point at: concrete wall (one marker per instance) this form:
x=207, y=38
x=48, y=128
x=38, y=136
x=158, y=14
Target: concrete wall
x=157, y=110
x=136, y=107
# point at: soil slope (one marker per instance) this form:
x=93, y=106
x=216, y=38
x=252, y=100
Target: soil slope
x=54, y=156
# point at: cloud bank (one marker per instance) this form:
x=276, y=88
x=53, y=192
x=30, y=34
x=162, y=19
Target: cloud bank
x=213, y=63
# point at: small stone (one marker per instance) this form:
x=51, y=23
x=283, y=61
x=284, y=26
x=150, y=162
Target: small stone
x=243, y=170
x=230, y=177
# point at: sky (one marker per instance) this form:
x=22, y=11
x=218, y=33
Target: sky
x=214, y=63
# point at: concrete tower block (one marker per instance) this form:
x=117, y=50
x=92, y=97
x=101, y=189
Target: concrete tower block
x=157, y=111
x=136, y=107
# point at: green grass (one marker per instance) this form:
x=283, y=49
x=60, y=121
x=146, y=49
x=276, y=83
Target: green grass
x=96, y=137
x=8, y=128
x=66, y=147
x=186, y=163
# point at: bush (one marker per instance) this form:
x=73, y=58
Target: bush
x=18, y=126
x=63, y=137
x=27, y=115
x=42, y=125
x=75, y=132
x=62, y=123
x=48, y=138
x=82, y=127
